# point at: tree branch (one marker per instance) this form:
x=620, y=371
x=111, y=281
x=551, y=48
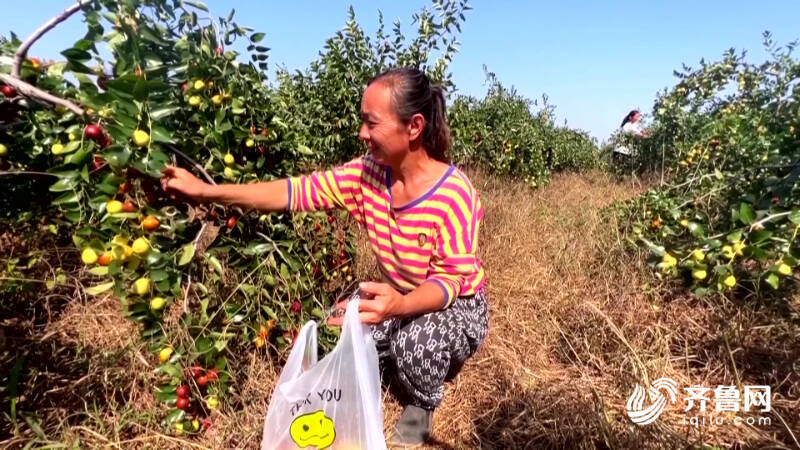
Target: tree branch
x=23, y=172
x=277, y=249
x=29, y=90
x=22, y=51
x=200, y=168
x=194, y=163
x=758, y=225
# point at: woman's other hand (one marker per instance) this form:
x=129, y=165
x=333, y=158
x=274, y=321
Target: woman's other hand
x=380, y=303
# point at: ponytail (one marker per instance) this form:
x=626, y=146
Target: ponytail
x=413, y=93
x=629, y=117
x=437, y=133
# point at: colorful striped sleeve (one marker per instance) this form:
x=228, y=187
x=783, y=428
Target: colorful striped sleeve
x=455, y=257
x=339, y=187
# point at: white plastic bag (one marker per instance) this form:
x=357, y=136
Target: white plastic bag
x=334, y=403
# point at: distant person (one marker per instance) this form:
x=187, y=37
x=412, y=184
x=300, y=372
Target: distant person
x=631, y=125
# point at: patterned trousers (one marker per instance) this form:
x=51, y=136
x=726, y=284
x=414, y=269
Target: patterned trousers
x=420, y=353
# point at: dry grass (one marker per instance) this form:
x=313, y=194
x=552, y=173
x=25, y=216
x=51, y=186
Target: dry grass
x=575, y=324
x=97, y=325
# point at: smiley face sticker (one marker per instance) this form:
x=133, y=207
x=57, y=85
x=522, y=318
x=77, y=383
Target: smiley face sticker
x=313, y=430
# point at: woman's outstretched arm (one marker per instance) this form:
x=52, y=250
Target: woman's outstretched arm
x=263, y=196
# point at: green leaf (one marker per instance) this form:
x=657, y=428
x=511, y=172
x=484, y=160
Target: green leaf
x=122, y=87
x=221, y=363
x=658, y=250
x=187, y=255
x=160, y=113
x=248, y=289
x=256, y=248
x=697, y=230
x=199, y=5
x=237, y=107
x=71, y=147
x=149, y=34
x=165, y=396
x=773, y=280
x=64, y=184
x=76, y=54
x=35, y=427
x=99, y=271
x=13, y=383
x=215, y=264
x=284, y=271
x=204, y=310
x=759, y=236
x=169, y=369
x=78, y=67
x=203, y=345
x=159, y=134
x=159, y=157
x=795, y=216
x=69, y=197
x=746, y=213
x=257, y=37
x=220, y=344
x=277, y=121
x=110, y=185
x=118, y=157
x=100, y=288
x=176, y=415
x=734, y=237
x=159, y=275
x=304, y=150
x=125, y=123
x=202, y=288
x=270, y=312
x=141, y=90
x=78, y=157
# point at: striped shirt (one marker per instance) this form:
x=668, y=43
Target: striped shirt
x=432, y=239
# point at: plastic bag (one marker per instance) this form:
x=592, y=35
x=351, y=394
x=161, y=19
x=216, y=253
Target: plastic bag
x=334, y=403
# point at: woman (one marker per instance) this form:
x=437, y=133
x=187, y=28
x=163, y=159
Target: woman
x=631, y=125
x=422, y=215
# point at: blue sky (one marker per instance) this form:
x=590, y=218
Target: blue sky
x=595, y=60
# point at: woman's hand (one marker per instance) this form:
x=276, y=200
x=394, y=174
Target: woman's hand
x=384, y=303
x=175, y=180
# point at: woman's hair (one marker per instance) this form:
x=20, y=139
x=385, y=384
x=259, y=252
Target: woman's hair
x=629, y=117
x=413, y=93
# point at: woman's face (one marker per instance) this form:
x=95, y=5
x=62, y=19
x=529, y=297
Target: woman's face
x=636, y=117
x=386, y=136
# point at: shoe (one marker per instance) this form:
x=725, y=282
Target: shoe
x=414, y=427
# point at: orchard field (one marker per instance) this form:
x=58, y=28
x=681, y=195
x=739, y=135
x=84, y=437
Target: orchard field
x=132, y=320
